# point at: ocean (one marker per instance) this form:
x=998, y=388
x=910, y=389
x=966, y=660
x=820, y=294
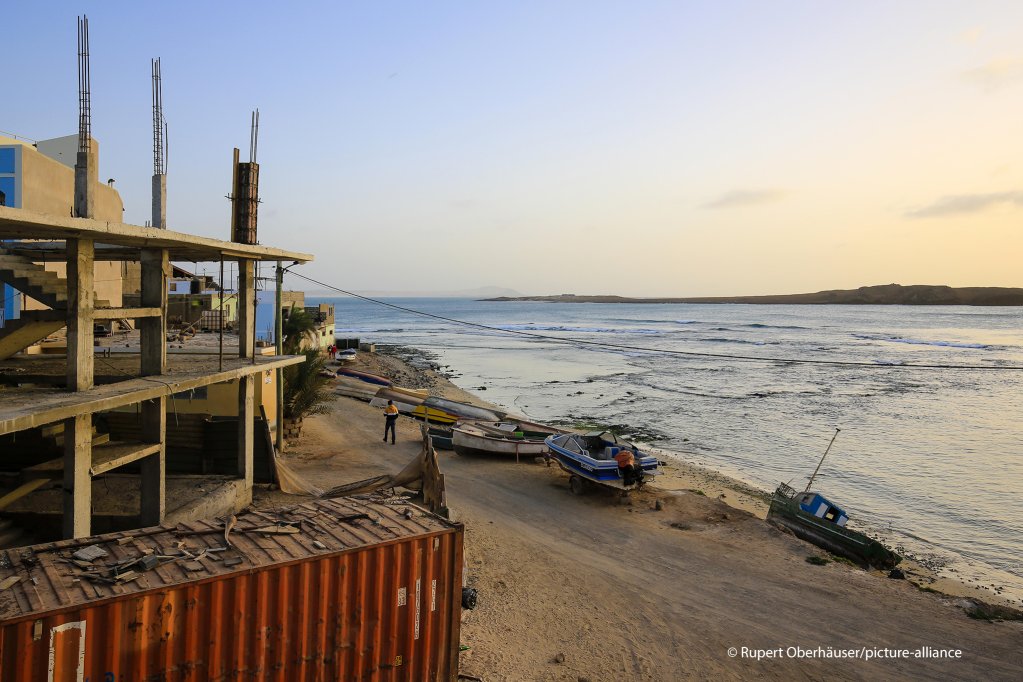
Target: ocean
x=928, y=459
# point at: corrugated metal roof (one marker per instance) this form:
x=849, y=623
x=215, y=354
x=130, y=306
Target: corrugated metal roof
x=50, y=578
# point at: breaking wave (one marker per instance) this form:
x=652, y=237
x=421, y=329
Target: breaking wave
x=921, y=342
x=745, y=341
x=761, y=325
x=581, y=330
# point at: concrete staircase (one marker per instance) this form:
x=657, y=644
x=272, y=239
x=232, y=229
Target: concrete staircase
x=47, y=287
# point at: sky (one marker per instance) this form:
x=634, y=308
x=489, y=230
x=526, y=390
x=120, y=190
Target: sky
x=637, y=148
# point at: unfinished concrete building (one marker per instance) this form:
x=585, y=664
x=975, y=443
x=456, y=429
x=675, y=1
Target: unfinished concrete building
x=70, y=394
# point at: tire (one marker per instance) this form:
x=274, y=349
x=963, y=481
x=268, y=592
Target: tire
x=576, y=485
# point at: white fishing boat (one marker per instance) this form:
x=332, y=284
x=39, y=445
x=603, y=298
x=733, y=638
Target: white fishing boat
x=518, y=438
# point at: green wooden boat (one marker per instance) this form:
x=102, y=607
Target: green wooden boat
x=813, y=518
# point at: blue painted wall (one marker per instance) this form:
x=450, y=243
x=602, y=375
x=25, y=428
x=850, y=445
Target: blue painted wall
x=10, y=162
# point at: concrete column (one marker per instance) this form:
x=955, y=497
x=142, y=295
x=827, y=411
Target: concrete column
x=86, y=179
x=77, y=481
x=246, y=423
x=153, y=330
x=154, y=467
x=278, y=339
x=80, y=275
x=160, y=201
x=246, y=308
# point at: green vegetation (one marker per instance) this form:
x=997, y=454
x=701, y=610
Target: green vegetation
x=817, y=560
x=305, y=389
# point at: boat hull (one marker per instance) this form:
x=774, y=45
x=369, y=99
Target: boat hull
x=498, y=438
x=441, y=442
x=434, y=416
x=857, y=547
x=461, y=410
x=471, y=444
x=601, y=471
x=364, y=376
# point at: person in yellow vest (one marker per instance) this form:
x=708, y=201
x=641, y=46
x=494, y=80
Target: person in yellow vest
x=390, y=419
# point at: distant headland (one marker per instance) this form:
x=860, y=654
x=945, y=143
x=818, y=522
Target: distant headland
x=885, y=294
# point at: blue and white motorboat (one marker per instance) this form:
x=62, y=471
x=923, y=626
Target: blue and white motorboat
x=590, y=457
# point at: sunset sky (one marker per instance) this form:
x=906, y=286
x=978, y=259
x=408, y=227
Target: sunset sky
x=639, y=148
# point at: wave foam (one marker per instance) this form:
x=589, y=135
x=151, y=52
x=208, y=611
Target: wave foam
x=581, y=330
x=921, y=342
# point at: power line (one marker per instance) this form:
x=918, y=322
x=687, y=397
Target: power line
x=616, y=346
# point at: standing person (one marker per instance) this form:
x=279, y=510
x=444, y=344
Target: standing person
x=390, y=419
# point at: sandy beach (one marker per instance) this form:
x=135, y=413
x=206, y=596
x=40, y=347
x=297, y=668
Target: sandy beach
x=682, y=581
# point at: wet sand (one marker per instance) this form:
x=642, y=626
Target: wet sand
x=588, y=588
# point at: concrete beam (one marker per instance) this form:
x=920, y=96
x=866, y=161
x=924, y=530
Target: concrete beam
x=22, y=410
x=246, y=308
x=125, y=313
x=153, y=330
x=18, y=223
x=246, y=430
x=77, y=481
x=80, y=276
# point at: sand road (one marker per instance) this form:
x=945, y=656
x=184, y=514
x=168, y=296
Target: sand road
x=585, y=588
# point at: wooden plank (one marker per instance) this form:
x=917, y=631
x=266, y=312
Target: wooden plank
x=22, y=490
x=124, y=313
x=104, y=458
x=118, y=453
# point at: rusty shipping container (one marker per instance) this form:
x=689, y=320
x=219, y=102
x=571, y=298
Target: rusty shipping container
x=328, y=590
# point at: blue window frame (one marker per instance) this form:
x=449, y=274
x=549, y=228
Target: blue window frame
x=7, y=160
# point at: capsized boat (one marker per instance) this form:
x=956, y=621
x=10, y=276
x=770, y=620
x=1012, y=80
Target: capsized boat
x=591, y=457
x=405, y=399
x=501, y=438
x=354, y=388
x=814, y=518
x=432, y=415
x=442, y=410
x=364, y=376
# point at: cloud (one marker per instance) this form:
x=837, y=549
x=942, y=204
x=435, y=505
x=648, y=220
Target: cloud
x=995, y=74
x=963, y=204
x=742, y=198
